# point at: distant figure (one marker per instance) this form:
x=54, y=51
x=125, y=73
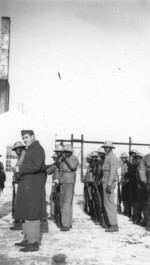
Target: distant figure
x=110, y=167
x=2, y=177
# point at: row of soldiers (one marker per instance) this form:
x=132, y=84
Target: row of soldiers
x=135, y=187
x=99, y=185
x=133, y=191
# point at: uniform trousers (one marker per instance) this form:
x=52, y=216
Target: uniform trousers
x=109, y=204
x=52, y=204
x=66, y=199
x=31, y=231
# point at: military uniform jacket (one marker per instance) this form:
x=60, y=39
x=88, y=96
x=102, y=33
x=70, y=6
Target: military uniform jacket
x=88, y=174
x=30, y=199
x=68, y=169
x=110, y=168
x=144, y=169
x=125, y=175
x=2, y=176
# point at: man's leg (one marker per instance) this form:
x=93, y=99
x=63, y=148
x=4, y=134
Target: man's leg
x=110, y=207
x=33, y=231
x=68, y=190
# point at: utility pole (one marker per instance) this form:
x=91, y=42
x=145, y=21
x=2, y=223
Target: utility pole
x=4, y=64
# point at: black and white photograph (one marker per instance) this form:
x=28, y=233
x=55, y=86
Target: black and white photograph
x=75, y=132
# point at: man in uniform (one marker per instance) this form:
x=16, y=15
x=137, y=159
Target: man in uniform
x=110, y=167
x=100, y=162
x=144, y=172
x=30, y=199
x=139, y=192
x=54, y=170
x=125, y=178
x=87, y=187
x=67, y=178
x=132, y=183
x=2, y=177
x=19, y=149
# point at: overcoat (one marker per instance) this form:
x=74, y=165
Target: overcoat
x=30, y=199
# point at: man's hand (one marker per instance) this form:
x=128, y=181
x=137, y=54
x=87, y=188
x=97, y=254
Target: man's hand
x=108, y=189
x=56, y=181
x=17, y=169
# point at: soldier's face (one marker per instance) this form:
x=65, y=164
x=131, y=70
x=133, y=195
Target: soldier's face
x=138, y=159
x=107, y=150
x=59, y=154
x=18, y=151
x=67, y=154
x=123, y=159
x=28, y=139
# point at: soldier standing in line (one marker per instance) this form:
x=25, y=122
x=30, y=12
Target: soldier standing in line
x=20, y=151
x=51, y=171
x=2, y=177
x=67, y=179
x=110, y=168
x=87, y=187
x=132, y=183
x=54, y=170
x=144, y=172
x=30, y=199
x=100, y=162
x=139, y=192
x=125, y=178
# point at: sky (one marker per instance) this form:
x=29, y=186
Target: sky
x=81, y=67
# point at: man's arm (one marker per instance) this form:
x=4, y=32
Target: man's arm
x=113, y=170
x=72, y=162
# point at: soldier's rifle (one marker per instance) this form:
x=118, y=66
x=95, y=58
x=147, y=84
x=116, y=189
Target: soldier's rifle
x=118, y=197
x=56, y=199
x=13, y=194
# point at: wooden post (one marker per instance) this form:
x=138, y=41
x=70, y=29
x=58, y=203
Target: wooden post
x=130, y=144
x=82, y=154
x=4, y=64
x=72, y=140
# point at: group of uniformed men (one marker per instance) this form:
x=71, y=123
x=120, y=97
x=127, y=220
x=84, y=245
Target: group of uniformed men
x=133, y=193
x=100, y=181
x=135, y=187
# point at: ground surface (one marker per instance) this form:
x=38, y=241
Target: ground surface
x=85, y=244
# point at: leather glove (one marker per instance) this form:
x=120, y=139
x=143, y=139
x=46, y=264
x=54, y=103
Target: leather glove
x=108, y=189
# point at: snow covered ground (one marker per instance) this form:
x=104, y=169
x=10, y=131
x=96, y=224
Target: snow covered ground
x=85, y=244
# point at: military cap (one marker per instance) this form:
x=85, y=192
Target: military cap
x=100, y=151
x=94, y=154
x=139, y=155
x=18, y=145
x=68, y=148
x=23, y=132
x=59, y=148
x=108, y=144
x=133, y=151
x=123, y=155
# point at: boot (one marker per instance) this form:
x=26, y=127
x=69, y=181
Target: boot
x=23, y=243
x=30, y=247
x=113, y=228
x=65, y=229
x=17, y=226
